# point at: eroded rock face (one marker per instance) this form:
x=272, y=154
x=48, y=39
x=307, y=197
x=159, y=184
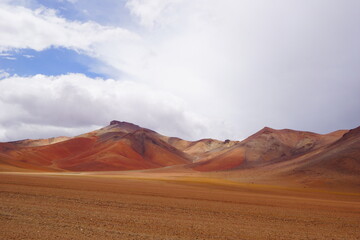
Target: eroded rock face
x=125, y=126
x=115, y=122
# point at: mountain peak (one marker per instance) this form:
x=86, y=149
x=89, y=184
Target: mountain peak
x=115, y=122
x=124, y=125
x=267, y=130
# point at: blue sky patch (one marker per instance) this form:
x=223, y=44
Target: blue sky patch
x=52, y=61
x=106, y=12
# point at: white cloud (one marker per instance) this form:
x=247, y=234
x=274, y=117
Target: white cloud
x=5, y=54
x=244, y=64
x=73, y=104
x=150, y=13
x=41, y=28
x=285, y=64
x=3, y=74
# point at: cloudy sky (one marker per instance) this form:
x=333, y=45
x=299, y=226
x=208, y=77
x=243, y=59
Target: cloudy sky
x=187, y=68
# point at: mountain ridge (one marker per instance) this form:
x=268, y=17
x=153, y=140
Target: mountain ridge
x=123, y=146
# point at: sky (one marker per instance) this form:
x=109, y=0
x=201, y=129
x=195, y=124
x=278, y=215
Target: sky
x=187, y=68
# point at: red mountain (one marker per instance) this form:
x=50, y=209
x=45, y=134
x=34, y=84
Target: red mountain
x=126, y=146
x=119, y=146
x=268, y=146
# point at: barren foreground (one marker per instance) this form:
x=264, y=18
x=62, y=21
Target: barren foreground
x=40, y=206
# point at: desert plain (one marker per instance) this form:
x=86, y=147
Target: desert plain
x=151, y=206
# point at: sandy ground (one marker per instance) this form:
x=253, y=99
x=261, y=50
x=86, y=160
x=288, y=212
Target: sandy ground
x=41, y=206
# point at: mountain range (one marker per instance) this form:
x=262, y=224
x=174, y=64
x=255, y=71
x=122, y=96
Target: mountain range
x=124, y=146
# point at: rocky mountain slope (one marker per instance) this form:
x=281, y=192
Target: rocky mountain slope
x=126, y=146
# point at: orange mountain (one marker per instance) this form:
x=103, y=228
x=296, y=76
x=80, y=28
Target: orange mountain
x=268, y=146
x=119, y=146
x=126, y=146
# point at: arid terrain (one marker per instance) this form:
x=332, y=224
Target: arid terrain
x=128, y=182
x=40, y=206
